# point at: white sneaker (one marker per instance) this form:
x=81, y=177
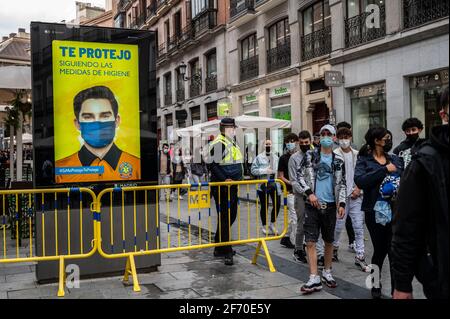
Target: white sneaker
x=328, y=279
x=312, y=285
x=181, y=197
x=273, y=230
x=263, y=230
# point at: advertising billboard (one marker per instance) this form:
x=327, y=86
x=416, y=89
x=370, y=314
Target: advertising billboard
x=94, y=105
x=96, y=112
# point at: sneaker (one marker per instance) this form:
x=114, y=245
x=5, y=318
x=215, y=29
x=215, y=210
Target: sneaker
x=321, y=261
x=229, y=260
x=181, y=197
x=312, y=285
x=300, y=256
x=264, y=230
x=362, y=265
x=351, y=247
x=328, y=279
x=273, y=230
x=286, y=242
x=335, y=255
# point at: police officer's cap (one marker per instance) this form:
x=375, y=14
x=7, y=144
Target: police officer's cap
x=228, y=121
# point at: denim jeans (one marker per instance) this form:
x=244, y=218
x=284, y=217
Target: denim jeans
x=352, y=210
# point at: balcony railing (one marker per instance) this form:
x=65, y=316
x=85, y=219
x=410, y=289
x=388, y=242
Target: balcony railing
x=280, y=56
x=162, y=51
x=123, y=4
x=152, y=9
x=204, y=22
x=211, y=83
x=195, y=87
x=180, y=95
x=316, y=44
x=240, y=6
x=249, y=68
x=418, y=12
x=358, y=31
x=138, y=22
x=168, y=99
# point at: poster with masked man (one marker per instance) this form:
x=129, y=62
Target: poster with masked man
x=96, y=112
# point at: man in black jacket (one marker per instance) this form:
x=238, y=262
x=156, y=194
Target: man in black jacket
x=421, y=226
x=412, y=128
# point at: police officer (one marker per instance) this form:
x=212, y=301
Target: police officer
x=225, y=164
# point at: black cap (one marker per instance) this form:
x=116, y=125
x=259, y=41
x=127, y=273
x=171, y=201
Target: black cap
x=228, y=121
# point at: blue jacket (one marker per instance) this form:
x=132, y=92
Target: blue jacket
x=369, y=175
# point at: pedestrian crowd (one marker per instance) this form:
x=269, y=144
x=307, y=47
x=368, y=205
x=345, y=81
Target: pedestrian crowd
x=400, y=196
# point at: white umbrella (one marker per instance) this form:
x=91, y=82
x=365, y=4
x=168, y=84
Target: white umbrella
x=15, y=77
x=243, y=121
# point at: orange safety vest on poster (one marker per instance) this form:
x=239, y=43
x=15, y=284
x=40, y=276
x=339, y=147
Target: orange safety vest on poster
x=116, y=165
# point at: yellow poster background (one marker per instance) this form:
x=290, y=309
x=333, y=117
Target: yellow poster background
x=125, y=88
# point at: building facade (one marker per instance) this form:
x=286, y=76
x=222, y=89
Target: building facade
x=279, y=51
x=395, y=69
x=191, y=64
x=269, y=57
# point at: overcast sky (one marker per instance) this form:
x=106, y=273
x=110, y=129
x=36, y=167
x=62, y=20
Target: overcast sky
x=16, y=14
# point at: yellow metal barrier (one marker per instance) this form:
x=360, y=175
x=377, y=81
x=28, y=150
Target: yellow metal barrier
x=130, y=227
x=39, y=206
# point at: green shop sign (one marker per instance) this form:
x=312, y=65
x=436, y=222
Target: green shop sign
x=280, y=91
x=250, y=99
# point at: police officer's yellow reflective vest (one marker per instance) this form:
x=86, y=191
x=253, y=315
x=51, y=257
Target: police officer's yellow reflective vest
x=232, y=154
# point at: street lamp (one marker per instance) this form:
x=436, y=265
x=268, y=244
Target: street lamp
x=183, y=68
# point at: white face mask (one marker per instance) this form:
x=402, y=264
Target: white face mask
x=344, y=144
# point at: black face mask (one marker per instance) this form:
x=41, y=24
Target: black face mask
x=268, y=149
x=305, y=148
x=387, y=147
x=412, y=138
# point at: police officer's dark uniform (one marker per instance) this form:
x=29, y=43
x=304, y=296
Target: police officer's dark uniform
x=226, y=166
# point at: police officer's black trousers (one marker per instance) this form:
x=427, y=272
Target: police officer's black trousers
x=224, y=215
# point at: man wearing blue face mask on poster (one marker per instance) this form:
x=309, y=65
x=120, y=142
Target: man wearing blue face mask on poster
x=99, y=159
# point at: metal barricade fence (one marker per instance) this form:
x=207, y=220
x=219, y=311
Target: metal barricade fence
x=51, y=213
x=194, y=222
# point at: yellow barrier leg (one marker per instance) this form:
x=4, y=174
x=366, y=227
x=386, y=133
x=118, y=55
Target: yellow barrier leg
x=62, y=277
x=268, y=258
x=255, y=258
x=130, y=269
x=263, y=244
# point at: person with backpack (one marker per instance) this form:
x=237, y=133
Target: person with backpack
x=374, y=170
x=420, y=229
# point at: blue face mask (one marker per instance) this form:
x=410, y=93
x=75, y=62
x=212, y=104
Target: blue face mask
x=326, y=141
x=98, y=134
x=290, y=146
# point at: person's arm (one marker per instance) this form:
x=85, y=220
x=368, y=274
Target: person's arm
x=305, y=165
x=342, y=186
x=214, y=167
x=364, y=179
x=293, y=175
x=408, y=241
x=256, y=169
x=281, y=168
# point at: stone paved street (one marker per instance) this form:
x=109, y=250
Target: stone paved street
x=197, y=274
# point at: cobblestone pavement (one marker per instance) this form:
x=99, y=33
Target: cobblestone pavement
x=197, y=274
